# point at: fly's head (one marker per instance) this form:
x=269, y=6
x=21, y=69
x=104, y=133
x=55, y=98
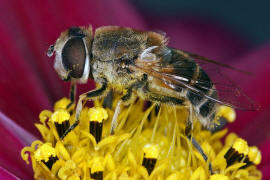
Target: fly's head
x=73, y=54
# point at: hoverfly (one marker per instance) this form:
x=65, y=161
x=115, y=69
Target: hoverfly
x=141, y=63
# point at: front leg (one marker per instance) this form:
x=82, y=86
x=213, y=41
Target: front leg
x=124, y=99
x=86, y=96
x=72, y=94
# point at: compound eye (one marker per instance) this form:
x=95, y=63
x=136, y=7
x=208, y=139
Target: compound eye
x=73, y=57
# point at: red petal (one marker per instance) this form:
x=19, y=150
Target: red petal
x=13, y=139
x=5, y=174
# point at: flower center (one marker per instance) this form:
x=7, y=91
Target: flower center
x=148, y=143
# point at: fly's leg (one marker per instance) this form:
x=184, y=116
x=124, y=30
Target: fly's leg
x=188, y=130
x=167, y=99
x=108, y=100
x=124, y=99
x=200, y=150
x=189, y=123
x=144, y=92
x=115, y=116
x=222, y=122
x=72, y=94
x=86, y=96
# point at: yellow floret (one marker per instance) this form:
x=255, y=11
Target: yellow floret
x=198, y=174
x=142, y=134
x=60, y=116
x=151, y=151
x=241, y=146
x=44, y=152
x=219, y=177
x=97, y=114
x=96, y=165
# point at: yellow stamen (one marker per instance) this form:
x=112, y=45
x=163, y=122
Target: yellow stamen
x=96, y=165
x=241, y=146
x=62, y=103
x=151, y=151
x=97, y=114
x=146, y=145
x=219, y=177
x=198, y=174
x=44, y=152
x=60, y=116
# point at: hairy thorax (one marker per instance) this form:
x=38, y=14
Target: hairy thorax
x=118, y=77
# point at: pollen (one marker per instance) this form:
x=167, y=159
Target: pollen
x=148, y=143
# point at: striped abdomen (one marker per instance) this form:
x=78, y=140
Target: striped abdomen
x=195, y=76
x=203, y=106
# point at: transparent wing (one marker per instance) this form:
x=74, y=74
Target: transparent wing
x=176, y=70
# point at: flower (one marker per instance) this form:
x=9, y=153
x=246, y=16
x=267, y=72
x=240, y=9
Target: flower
x=148, y=144
x=28, y=83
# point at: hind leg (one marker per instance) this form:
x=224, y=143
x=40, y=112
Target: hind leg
x=124, y=99
x=188, y=130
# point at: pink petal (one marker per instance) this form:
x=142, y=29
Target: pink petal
x=254, y=125
x=266, y=172
x=255, y=130
x=265, y=149
x=24, y=136
x=13, y=139
x=5, y=174
x=22, y=96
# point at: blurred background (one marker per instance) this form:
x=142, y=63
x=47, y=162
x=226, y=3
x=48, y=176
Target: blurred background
x=248, y=18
